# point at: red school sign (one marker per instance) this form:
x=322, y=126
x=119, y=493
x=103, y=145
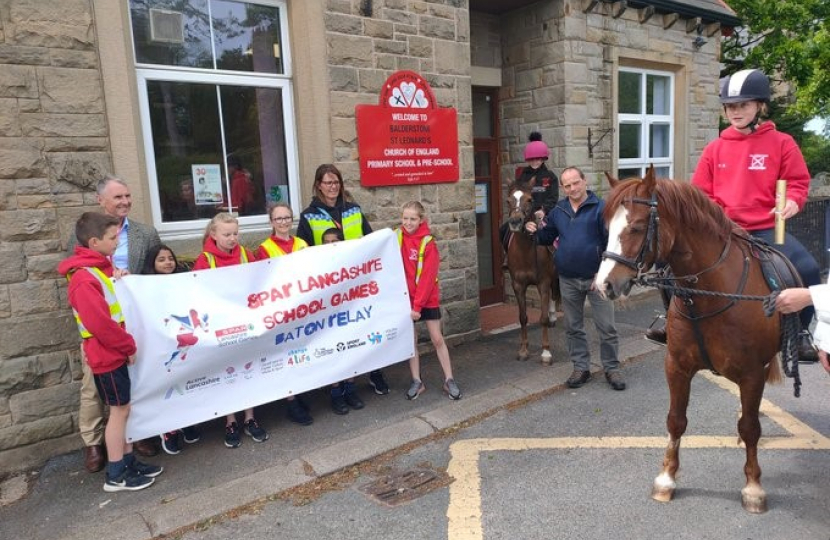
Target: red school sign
x=407, y=139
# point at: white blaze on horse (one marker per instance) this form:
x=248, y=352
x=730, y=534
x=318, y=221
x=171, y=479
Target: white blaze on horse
x=530, y=264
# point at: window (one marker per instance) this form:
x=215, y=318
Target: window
x=645, y=122
x=216, y=108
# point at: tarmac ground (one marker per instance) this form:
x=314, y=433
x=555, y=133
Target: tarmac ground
x=62, y=500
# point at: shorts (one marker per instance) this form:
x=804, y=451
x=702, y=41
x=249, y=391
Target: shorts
x=114, y=386
x=430, y=314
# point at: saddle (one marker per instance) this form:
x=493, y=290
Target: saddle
x=779, y=272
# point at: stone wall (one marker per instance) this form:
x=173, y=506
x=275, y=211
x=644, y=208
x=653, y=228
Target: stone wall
x=559, y=66
x=431, y=38
x=53, y=147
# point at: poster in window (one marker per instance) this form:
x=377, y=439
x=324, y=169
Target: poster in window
x=207, y=184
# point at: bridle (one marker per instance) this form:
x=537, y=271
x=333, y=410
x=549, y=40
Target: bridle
x=650, y=242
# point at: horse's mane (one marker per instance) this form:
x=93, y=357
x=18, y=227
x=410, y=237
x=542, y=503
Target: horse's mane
x=686, y=205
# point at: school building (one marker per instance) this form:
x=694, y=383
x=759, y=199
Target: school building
x=162, y=93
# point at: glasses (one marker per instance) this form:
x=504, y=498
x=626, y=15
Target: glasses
x=282, y=219
x=329, y=183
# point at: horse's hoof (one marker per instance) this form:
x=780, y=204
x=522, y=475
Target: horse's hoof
x=522, y=357
x=661, y=494
x=547, y=358
x=663, y=489
x=754, y=500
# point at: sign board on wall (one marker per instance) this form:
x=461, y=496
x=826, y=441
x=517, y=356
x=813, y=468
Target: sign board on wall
x=407, y=139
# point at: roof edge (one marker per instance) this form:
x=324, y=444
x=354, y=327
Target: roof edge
x=686, y=10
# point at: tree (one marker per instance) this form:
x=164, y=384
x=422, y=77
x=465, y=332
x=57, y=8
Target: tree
x=790, y=41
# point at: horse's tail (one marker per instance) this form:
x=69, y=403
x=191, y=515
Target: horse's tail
x=774, y=370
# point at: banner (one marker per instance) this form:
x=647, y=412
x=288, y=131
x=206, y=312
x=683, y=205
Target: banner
x=219, y=341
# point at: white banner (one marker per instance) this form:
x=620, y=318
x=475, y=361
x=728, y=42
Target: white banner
x=219, y=341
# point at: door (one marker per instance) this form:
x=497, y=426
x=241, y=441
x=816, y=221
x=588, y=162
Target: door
x=488, y=194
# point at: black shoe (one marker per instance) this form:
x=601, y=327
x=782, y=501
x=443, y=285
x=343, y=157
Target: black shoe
x=656, y=335
x=299, y=414
x=192, y=434
x=615, y=379
x=378, y=383
x=807, y=353
x=351, y=397
x=170, y=443
x=578, y=378
x=338, y=403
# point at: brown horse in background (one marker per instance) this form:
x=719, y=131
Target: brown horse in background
x=664, y=220
x=530, y=264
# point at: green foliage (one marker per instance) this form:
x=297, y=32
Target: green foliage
x=787, y=39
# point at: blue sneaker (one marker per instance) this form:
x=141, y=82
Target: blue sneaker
x=255, y=432
x=232, y=437
x=127, y=481
x=378, y=383
x=191, y=434
x=170, y=443
x=145, y=469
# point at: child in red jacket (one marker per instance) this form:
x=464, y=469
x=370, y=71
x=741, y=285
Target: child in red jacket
x=108, y=347
x=221, y=248
x=420, y=264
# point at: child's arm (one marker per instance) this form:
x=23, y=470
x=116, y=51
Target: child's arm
x=87, y=297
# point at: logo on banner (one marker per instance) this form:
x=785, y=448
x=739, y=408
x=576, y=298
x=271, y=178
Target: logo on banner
x=351, y=344
x=391, y=333
x=298, y=356
x=375, y=338
x=186, y=333
x=234, y=334
x=320, y=352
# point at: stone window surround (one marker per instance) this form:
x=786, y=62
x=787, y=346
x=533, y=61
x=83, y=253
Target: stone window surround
x=121, y=94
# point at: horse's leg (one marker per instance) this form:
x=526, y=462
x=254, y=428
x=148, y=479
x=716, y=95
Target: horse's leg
x=753, y=497
x=521, y=300
x=680, y=383
x=544, y=321
x=555, y=297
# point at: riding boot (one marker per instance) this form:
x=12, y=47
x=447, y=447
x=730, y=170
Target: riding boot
x=807, y=352
x=658, y=335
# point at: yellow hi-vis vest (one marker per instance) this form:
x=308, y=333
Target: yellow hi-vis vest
x=421, y=249
x=109, y=296
x=243, y=257
x=320, y=221
x=274, y=250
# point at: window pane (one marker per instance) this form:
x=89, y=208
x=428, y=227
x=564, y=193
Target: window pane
x=658, y=98
x=482, y=115
x=629, y=141
x=481, y=163
x=635, y=172
x=172, y=32
x=184, y=121
x=629, y=93
x=659, y=140
x=255, y=140
x=247, y=37
x=662, y=172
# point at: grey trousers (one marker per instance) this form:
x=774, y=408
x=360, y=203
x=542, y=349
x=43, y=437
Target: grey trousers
x=574, y=291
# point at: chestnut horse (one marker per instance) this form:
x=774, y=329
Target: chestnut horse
x=530, y=264
x=672, y=221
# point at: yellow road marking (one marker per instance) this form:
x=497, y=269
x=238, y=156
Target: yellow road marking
x=464, y=509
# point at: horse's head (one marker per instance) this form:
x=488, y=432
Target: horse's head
x=520, y=206
x=631, y=215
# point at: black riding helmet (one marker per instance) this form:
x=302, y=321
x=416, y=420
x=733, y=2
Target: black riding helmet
x=745, y=85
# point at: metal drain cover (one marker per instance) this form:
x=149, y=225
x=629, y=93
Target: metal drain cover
x=403, y=486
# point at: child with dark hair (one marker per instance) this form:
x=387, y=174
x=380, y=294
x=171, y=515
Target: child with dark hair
x=162, y=260
x=108, y=347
